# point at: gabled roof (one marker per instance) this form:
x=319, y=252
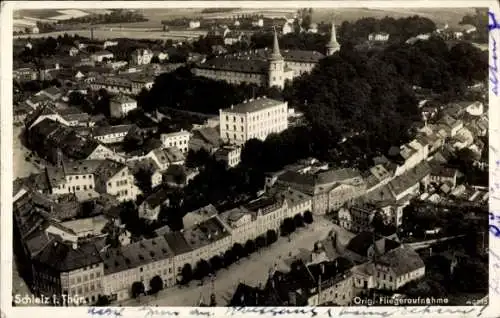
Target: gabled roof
x=64, y=258
x=402, y=260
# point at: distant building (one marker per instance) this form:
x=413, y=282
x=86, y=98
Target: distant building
x=25, y=74
x=141, y=56
x=264, y=67
x=194, y=24
x=101, y=176
x=74, y=269
x=206, y=138
x=136, y=262
x=258, y=23
x=111, y=134
x=178, y=139
x=253, y=119
x=150, y=208
x=230, y=155
x=378, y=37
x=121, y=105
x=100, y=56
x=287, y=28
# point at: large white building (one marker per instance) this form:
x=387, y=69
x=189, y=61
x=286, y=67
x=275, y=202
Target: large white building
x=256, y=118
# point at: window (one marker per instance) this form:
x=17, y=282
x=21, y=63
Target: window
x=76, y=177
x=227, y=126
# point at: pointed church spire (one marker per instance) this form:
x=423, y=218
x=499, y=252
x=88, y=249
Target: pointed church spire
x=332, y=46
x=276, y=47
x=333, y=34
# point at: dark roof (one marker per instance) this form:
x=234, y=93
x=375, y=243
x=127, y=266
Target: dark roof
x=64, y=258
x=52, y=90
x=402, y=260
x=108, y=169
x=297, y=178
x=106, y=130
x=254, y=105
x=157, y=198
x=136, y=254
x=408, y=179
x=209, y=135
x=361, y=243
x=103, y=52
x=233, y=65
x=178, y=243
x=263, y=204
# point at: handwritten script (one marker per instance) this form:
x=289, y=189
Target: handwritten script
x=494, y=66
x=493, y=25
x=107, y=312
x=492, y=21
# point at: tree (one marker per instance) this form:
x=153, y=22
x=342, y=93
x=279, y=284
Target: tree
x=298, y=220
x=272, y=236
x=250, y=247
x=308, y=217
x=102, y=301
x=156, y=284
x=229, y=258
x=202, y=269
x=137, y=289
x=260, y=242
x=238, y=250
x=216, y=262
x=143, y=179
x=288, y=226
x=186, y=273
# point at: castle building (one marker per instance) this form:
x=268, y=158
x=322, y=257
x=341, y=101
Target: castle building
x=264, y=67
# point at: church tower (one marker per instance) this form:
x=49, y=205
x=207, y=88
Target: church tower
x=276, y=65
x=332, y=46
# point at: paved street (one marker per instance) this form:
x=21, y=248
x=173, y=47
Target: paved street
x=252, y=271
x=22, y=168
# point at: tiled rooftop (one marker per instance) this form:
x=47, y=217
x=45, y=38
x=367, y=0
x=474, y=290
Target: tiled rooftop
x=254, y=105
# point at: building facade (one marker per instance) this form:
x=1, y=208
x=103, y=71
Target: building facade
x=178, y=139
x=121, y=105
x=264, y=67
x=253, y=119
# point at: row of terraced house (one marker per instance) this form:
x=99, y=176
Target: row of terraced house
x=62, y=262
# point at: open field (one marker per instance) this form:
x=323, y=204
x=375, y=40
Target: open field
x=131, y=33
x=439, y=15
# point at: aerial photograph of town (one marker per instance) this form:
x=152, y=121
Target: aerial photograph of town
x=250, y=157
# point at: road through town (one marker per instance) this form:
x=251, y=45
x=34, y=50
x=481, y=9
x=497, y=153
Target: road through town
x=252, y=271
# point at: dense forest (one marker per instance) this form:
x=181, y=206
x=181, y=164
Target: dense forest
x=399, y=29
x=115, y=16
